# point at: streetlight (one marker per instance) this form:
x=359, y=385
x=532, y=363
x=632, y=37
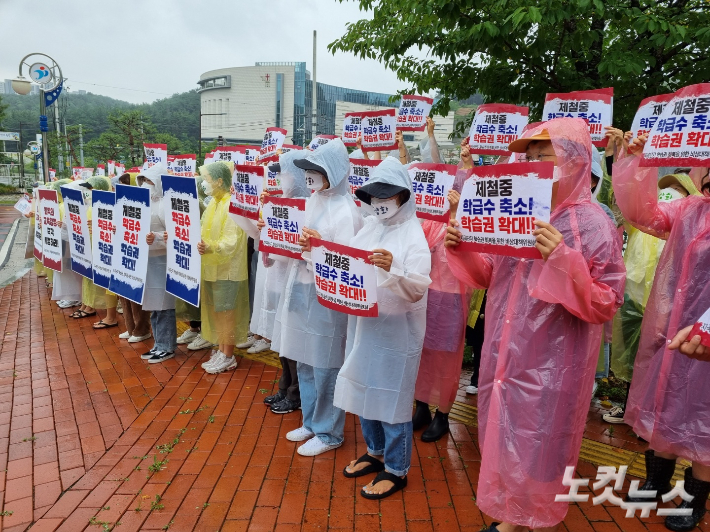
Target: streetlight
x=45, y=72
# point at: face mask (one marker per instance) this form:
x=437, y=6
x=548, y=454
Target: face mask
x=207, y=187
x=669, y=194
x=314, y=180
x=384, y=208
x=87, y=195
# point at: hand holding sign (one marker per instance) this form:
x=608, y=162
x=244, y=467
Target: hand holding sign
x=381, y=258
x=202, y=247
x=305, y=240
x=691, y=347
x=547, y=238
x=453, y=235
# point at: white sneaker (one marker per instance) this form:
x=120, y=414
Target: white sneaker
x=199, y=343
x=259, y=346
x=246, y=345
x=65, y=303
x=299, y=434
x=615, y=416
x=134, y=339
x=215, y=357
x=226, y=364
x=187, y=337
x=316, y=446
x=119, y=307
x=473, y=390
x=125, y=335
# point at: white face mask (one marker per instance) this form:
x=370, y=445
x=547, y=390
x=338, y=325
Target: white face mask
x=669, y=194
x=384, y=208
x=314, y=180
x=207, y=187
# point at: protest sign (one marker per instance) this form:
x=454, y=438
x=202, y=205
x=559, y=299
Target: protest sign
x=24, y=205
x=273, y=140
x=413, y=111
x=182, y=222
x=210, y=158
x=648, y=113
x=360, y=170
x=681, y=136
x=225, y=154
x=431, y=184
x=76, y=219
x=284, y=219
x=273, y=182
x=76, y=172
x=289, y=147
x=100, y=169
x=37, y=250
x=248, y=181
x=183, y=165
x=130, y=260
x=155, y=154
x=120, y=169
x=102, y=235
x=495, y=126
x=51, y=232
x=52, y=174
x=702, y=329
x=318, y=141
x=345, y=278
x=352, y=128
x=499, y=205
x=594, y=106
x=86, y=173
x=378, y=128
x=111, y=168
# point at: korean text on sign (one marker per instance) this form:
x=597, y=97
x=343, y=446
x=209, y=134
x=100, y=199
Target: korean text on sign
x=155, y=154
x=37, y=250
x=272, y=182
x=51, y=232
x=103, y=228
x=318, y=141
x=76, y=220
x=182, y=165
x=352, y=124
x=499, y=205
x=431, y=184
x=378, y=129
x=413, y=111
x=247, y=181
x=495, y=126
x=345, y=279
x=594, y=106
x=284, y=219
x=360, y=170
x=702, y=329
x=182, y=223
x=681, y=136
x=273, y=140
x=648, y=113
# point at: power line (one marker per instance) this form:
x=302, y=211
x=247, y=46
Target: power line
x=121, y=88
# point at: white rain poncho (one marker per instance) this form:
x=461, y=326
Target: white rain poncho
x=155, y=297
x=311, y=333
x=380, y=370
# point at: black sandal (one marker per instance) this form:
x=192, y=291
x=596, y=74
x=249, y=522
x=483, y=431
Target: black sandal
x=102, y=325
x=399, y=483
x=82, y=314
x=375, y=467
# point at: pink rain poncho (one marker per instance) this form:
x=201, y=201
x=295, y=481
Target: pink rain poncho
x=669, y=400
x=544, y=325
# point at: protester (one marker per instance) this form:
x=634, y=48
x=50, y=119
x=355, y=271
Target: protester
x=474, y=336
x=66, y=289
x=543, y=330
x=667, y=404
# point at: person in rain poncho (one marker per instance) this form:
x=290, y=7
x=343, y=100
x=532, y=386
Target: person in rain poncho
x=377, y=379
x=156, y=300
x=66, y=289
x=288, y=397
x=311, y=334
x=641, y=258
x=543, y=331
x=225, y=283
x=669, y=399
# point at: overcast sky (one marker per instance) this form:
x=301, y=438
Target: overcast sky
x=161, y=47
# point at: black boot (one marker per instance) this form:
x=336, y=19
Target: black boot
x=421, y=417
x=438, y=428
x=700, y=491
x=659, y=472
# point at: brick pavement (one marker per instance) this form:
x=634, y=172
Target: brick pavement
x=91, y=436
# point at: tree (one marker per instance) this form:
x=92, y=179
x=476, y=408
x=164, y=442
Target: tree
x=109, y=146
x=3, y=111
x=134, y=128
x=518, y=50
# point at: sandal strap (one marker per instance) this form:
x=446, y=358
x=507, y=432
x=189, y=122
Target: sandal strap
x=394, y=479
x=369, y=459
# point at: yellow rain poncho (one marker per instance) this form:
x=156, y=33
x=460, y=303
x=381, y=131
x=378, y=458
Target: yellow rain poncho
x=92, y=295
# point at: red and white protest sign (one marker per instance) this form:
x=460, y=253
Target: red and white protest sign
x=225, y=154
x=648, y=113
x=51, y=232
x=182, y=165
x=273, y=140
x=120, y=169
x=111, y=167
x=248, y=181
x=290, y=147
x=495, y=126
x=499, y=205
x=702, y=329
x=681, y=136
x=251, y=154
x=52, y=174
x=431, y=184
x=155, y=154
x=345, y=278
x=318, y=141
x=378, y=129
x=37, y=250
x=413, y=111
x=352, y=128
x=284, y=219
x=101, y=170
x=360, y=170
x=594, y=106
x=272, y=182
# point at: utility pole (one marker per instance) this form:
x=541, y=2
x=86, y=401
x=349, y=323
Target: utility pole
x=60, y=159
x=45, y=145
x=81, y=146
x=66, y=145
x=315, y=91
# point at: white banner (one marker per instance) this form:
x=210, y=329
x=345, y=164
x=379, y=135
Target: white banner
x=495, y=126
x=431, y=184
x=155, y=154
x=413, y=111
x=284, y=218
x=51, y=233
x=378, y=129
x=594, y=106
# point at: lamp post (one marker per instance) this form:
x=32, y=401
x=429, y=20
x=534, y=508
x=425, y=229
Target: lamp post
x=45, y=72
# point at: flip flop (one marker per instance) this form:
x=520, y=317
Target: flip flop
x=83, y=314
x=375, y=467
x=102, y=325
x=399, y=483
x=76, y=314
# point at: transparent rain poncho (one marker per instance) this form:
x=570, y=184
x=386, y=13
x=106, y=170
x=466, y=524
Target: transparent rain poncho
x=380, y=370
x=669, y=400
x=225, y=286
x=311, y=333
x=542, y=337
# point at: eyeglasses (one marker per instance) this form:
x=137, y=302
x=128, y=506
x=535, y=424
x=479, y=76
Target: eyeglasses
x=539, y=157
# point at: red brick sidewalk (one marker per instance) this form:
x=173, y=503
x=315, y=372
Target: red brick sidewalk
x=91, y=436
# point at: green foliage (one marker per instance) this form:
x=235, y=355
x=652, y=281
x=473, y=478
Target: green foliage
x=518, y=50
x=3, y=111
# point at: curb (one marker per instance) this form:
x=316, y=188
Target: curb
x=9, y=241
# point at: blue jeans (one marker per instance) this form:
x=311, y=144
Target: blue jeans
x=317, y=387
x=392, y=441
x=164, y=329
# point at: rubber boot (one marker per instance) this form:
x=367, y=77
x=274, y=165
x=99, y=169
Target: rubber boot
x=438, y=428
x=700, y=491
x=659, y=472
x=421, y=417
